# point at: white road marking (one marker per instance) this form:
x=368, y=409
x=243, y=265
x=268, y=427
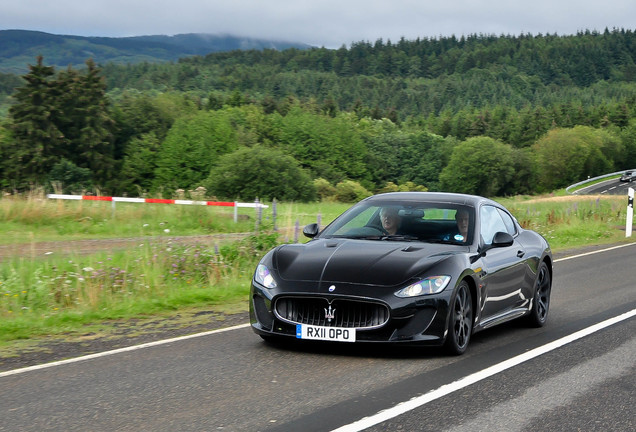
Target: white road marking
x=119, y=350
x=594, y=252
x=444, y=390
x=167, y=341
x=515, y=415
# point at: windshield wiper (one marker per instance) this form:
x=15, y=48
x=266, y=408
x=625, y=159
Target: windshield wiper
x=399, y=237
x=442, y=241
x=355, y=237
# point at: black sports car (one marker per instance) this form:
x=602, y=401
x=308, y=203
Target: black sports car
x=406, y=267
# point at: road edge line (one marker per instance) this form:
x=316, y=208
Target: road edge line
x=416, y=402
x=119, y=350
x=165, y=341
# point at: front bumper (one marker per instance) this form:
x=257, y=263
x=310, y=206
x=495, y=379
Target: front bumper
x=419, y=320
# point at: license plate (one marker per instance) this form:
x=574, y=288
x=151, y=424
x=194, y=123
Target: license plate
x=338, y=334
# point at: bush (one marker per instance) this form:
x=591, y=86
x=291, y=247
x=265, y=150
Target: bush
x=324, y=189
x=351, y=191
x=70, y=177
x=259, y=172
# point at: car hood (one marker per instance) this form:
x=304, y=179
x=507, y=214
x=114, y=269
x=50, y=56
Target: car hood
x=357, y=261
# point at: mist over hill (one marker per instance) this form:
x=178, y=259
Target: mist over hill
x=19, y=48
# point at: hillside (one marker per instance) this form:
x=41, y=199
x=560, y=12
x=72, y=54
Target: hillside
x=19, y=48
x=482, y=114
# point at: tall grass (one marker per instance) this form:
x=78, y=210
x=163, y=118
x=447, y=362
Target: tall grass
x=35, y=218
x=569, y=221
x=36, y=295
x=54, y=293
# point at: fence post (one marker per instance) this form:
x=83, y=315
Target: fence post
x=296, y=230
x=630, y=212
x=274, y=214
x=235, y=212
x=259, y=214
x=319, y=220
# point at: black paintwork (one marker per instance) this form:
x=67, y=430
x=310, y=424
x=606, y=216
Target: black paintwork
x=370, y=270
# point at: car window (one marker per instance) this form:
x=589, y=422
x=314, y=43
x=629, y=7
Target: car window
x=362, y=219
x=510, y=224
x=490, y=223
x=413, y=221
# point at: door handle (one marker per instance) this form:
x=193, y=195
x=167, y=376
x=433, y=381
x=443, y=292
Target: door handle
x=520, y=253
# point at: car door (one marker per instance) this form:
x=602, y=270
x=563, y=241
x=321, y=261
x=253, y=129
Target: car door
x=503, y=267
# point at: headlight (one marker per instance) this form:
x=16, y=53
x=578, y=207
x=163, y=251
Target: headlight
x=430, y=285
x=264, y=277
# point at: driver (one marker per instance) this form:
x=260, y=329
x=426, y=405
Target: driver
x=390, y=219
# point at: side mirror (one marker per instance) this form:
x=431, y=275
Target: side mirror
x=311, y=230
x=502, y=239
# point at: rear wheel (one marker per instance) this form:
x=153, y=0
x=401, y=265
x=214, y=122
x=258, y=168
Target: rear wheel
x=460, y=326
x=541, y=302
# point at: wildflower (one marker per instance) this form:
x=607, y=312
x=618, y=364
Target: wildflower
x=166, y=230
x=145, y=225
x=88, y=269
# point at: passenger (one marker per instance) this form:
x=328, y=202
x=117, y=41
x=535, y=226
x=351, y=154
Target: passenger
x=390, y=219
x=462, y=217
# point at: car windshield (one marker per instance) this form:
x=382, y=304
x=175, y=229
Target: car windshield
x=405, y=221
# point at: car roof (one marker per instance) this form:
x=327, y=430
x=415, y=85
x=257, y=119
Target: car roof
x=437, y=197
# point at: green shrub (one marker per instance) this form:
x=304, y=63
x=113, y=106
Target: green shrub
x=351, y=191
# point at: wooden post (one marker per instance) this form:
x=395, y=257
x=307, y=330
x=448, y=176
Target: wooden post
x=259, y=212
x=274, y=214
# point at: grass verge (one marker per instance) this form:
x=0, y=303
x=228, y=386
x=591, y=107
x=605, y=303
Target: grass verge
x=80, y=294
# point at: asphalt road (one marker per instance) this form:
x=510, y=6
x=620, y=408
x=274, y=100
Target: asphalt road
x=608, y=187
x=232, y=381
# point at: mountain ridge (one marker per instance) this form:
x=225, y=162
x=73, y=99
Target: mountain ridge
x=19, y=48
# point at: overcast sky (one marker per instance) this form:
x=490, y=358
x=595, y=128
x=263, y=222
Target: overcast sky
x=328, y=23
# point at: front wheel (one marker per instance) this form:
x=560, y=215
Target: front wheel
x=460, y=325
x=541, y=301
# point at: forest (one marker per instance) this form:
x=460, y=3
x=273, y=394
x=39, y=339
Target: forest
x=484, y=114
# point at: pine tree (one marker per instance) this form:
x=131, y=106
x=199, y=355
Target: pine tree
x=92, y=120
x=36, y=138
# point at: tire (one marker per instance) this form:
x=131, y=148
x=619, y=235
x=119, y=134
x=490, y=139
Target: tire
x=541, y=301
x=460, y=323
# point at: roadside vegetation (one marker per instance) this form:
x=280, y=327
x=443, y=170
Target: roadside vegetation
x=314, y=129
x=483, y=114
x=54, y=293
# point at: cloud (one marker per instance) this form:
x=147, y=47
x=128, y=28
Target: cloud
x=327, y=22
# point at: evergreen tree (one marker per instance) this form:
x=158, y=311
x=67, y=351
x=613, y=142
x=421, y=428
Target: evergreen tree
x=87, y=122
x=37, y=140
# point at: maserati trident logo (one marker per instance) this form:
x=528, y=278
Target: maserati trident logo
x=330, y=314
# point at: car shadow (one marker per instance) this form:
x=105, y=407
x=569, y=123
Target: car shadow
x=493, y=337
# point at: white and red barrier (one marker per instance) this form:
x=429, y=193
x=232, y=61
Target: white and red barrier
x=234, y=204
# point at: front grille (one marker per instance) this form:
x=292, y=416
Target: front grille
x=345, y=312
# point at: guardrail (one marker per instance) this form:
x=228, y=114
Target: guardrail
x=593, y=179
x=114, y=200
